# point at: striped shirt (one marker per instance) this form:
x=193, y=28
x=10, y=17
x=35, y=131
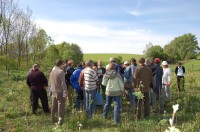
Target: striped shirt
x=90, y=78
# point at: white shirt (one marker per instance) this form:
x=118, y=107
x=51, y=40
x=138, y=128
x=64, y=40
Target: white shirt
x=166, y=78
x=180, y=71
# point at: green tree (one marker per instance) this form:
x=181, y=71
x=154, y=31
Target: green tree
x=182, y=47
x=38, y=44
x=154, y=51
x=69, y=51
x=74, y=52
x=52, y=55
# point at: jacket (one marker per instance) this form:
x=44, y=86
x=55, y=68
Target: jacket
x=36, y=80
x=113, y=82
x=167, y=77
x=180, y=71
x=157, y=73
x=144, y=74
x=74, y=79
x=57, y=81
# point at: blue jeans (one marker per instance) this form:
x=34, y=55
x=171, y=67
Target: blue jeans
x=131, y=97
x=90, y=102
x=109, y=100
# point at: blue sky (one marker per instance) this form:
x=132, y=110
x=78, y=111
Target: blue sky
x=116, y=26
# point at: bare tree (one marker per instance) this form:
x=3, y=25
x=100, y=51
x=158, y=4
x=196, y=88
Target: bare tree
x=9, y=8
x=22, y=31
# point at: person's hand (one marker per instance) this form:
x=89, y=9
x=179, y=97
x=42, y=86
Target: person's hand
x=169, y=84
x=64, y=94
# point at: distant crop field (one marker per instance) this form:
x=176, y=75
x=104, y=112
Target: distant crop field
x=105, y=57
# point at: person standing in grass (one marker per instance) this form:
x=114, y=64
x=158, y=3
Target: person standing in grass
x=114, y=89
x=166, y=83
x=69, y=71
x=100, y=72
x=133, y=68
x=31, y=96
x=143, y=74
x=37, y=82
x=90, y=84
x=155, y=91
x=129, y=92
x=59, y=92
x=75, y=84
x=180, y=71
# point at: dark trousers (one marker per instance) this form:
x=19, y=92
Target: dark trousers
x=180, y=81
x=79, y=99
x=143, y=106
x=42, y=95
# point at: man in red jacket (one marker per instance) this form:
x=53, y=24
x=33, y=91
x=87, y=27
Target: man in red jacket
x=37, y=81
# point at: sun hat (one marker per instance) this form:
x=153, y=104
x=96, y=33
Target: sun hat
x=126, y=63
x=164, y=63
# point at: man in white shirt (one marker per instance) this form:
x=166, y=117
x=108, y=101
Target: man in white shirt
x=166, y=81
x=180, y=71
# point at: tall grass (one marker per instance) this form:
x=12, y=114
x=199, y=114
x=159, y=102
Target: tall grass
x=15, y=110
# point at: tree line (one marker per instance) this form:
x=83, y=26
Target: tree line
x=22, y=40
x=183, y=47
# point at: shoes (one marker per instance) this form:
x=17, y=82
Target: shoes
x=60, y=122
x=35, y=113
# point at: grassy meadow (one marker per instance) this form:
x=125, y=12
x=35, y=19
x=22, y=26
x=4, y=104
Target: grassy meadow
x=16, y=116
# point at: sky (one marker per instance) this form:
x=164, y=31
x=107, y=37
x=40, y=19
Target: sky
x=115, y=26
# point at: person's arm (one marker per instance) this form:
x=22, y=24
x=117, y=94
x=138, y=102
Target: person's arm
x=45, y=81
x=96, y=79
x=169, y=77
x=176, y=70
x=63, y=84
x=136, y=74
x=150, y=77
x=183, y=70
x=81, y=79
x=28, y=82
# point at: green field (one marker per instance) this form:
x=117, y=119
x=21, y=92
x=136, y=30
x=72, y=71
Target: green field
x=105, y=57
x=15, y=110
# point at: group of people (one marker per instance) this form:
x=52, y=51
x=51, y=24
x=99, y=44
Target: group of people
x=152, y=79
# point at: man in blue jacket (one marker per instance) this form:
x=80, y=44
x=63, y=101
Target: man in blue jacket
x=129, y=92
x=74, y=81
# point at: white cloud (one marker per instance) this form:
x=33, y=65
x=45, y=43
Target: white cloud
x=101, y=39
x=135, y=13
